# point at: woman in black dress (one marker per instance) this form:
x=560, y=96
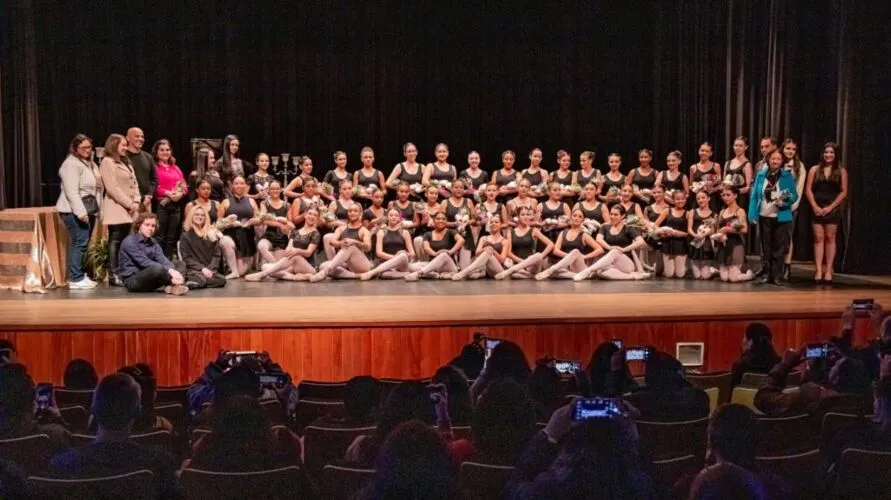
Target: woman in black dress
x=732, y=228
x=487, y=209
x=440, y=245
x=613, y=180
x=199, y=248
x=230, y=165
x=587, y=174
x=275, y=238
x=619, y=242
x=409, y=171
x=410, y=217
x=393, y=248
x=701, y=225
x=553, y=214
x=575, y=250
x=295, y=263
x=565, y=177
x=206, y=170
x=827, y=189
x=337, y=176
x=458, y=207
x=367, y=179
x=672, y=179
x=643, y=178
x=674, y=238
x=441, y=169
x=474, y=176
x=492, y=251
x=241, y=214
x=506, y=178
x=706, y=175
x=258, y=182
x=591, y=208
x=525, y=242
x=537, y=176
x=352, y=243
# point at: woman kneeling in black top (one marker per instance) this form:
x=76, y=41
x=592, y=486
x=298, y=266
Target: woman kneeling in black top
x=199, y=248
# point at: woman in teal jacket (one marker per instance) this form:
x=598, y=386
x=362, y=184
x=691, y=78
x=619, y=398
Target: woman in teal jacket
x=773, y=194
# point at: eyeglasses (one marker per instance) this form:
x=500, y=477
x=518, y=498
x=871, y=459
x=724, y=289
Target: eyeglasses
x=85, y=148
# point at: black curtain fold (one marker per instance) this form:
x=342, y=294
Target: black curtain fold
x=314, y=77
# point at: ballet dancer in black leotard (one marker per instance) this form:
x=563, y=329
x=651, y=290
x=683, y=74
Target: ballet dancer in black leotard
x=487, y=209
x=612, y=181
x=394, y=250
x=309, y=198
x=426, y=213
x=523, y=199
x=672, y=179
x=275, y=237
x=441, y=169
x=336, y=216
x=537, y=176
x=553, y=214
x=619, y=242
x=506, y=178
x=409, y=171
x=732, y=224
x=455, y=206
x=827, y=189
x=295, y=263
x=335, y=177
x=643, y=178
x=565, y=177
x=410, y=216
x=352, y=242
x=492, y=252
x=591, y=208
x=707, y=174
x=575, y=248
x=242, y=211
x=626, y=199
x=368, y=179
x=474, y=175
x=587, y=174
x=702, y=251
x=525, y=240
x=675, y=249
x=441, y=245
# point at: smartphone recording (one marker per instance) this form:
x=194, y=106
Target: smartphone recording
x=637, y=354
x=816, y=350
x=595, y=408
x=567, y=367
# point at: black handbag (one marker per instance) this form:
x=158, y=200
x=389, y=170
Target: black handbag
x=91, y=205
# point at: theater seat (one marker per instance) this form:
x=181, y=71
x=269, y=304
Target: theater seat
x=310, y=389
x=745, y=396
x=785, y=435
x=343, y=482
x=664, y=440
x=720, y=380
x=804, y=472
x=667, y=472
x=833, y=423
x=326, y=445
x=68, y=397
x=309, y=409
x=76, y=417
x=172, y=394
x=757, y=380
x=173, y=412
x=864, y=474
x=31, y=453
x=160, y=439
x=137, y=485
x=478, y=480
x=285, y=482
x=714, y=396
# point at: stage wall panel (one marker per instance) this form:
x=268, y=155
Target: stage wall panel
x=332, y=354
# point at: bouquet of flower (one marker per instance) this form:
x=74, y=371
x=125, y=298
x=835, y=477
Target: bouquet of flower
x=511, y=185
x=325, y=215
x=634, y=222
x=417, y=188
x=646, y=193
x=703, y=233
x=393, y=184
x=482, y=218
x=224, y=223
x=698, y=186
x=479, y=195
x=326, y=189
x=267, y=217
x=540, y=189
x=590, y=226
x=571, y=189
x=462, y=219
x=782, y=197
x=728, y=180
x=613, y=191
x=365, y=191
x=549, y=223
x=669, y=195
x=406, y=224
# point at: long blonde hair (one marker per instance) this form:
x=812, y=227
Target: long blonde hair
x=207, y=231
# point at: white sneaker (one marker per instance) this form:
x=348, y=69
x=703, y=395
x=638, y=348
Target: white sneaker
x=88, y=280
x=84, y=284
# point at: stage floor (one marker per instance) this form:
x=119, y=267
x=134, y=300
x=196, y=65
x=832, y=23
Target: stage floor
x=380, y=302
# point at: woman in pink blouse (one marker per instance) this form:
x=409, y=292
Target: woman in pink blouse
x=169, y=197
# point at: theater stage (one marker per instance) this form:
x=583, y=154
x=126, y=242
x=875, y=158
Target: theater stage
x=337, y=329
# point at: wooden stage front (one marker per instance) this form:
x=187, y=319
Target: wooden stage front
x=335, y=330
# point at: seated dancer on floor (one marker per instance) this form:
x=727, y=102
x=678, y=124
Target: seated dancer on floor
x=199, y=248
x=524, y=240
x=142, y=264
x=241, y=214
x=731, y=248
x=352, y=243
x=337, y=217
x=441, y=245
x=295, y=263
x=673, y=224
x=394, y=249
x=620, y=242
x=575, y=248
x=275, y=237
x=492, y=251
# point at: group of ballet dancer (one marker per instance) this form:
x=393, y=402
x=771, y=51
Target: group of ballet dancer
x=445, y=224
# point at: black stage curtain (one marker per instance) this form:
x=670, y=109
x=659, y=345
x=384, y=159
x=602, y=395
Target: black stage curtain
x=313, y=77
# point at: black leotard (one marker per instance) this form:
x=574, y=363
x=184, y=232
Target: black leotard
x=439, y=175
x=522, y=246
x=595, y=213
x=393, y=241
x=624, y=238
x=576, y=244
x=445, y=243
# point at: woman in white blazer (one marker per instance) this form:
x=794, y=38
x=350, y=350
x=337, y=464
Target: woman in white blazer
x=79, y=205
